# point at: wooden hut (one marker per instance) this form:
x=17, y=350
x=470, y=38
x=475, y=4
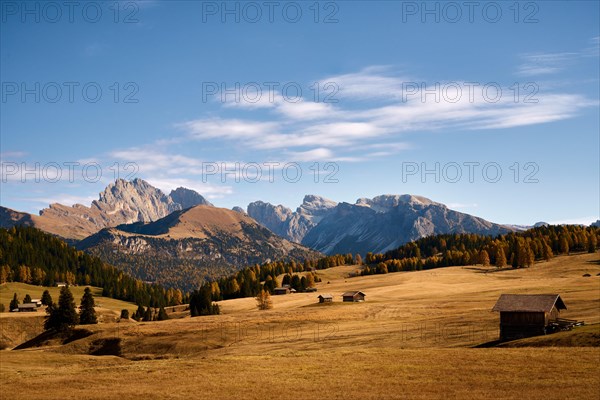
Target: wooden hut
x=353, y=296
x=325, y=298
x=26, y=307
x=523, y=315
x=281, y=290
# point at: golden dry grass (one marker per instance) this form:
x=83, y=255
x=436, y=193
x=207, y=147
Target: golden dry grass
x=412, y=338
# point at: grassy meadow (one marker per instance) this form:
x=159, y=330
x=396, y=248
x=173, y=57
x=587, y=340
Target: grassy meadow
x=414, y=337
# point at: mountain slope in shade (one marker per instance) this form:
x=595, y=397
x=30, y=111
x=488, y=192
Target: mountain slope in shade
x=388, y=221
x=121, y=202
x=288, y=224
x=187, y=246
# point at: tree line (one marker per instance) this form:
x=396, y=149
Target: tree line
x=515, y=249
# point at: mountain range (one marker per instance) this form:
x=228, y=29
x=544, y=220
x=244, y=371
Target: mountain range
x=180, y=238
x=369, y=225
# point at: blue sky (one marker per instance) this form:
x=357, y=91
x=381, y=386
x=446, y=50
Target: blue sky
x=185, y=93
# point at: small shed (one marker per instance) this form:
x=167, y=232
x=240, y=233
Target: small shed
x=281, y=290
x=27, y=307
x=353, y=296
x=310, y=289
x=523, y=315
x=61, y=284
x=325, y=298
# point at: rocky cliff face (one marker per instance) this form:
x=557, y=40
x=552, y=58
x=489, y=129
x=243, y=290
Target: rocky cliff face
x=378, y=225
x=187, y=198
x=122, y=202
x=288, y=224
x=386, y=222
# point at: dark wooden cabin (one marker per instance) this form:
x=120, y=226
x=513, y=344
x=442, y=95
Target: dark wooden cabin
x=26, y=307
x=523, y=315
x=281, y=290
x=353, y=296
x=325, y=298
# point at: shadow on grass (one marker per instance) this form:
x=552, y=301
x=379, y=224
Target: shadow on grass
x=51, y=337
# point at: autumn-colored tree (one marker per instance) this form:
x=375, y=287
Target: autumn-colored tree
x=358, y=259
x=591, y=243
x=547, y=251
x=564, y=245
x=310, y=280
x=500, y=257
x=484, y=258
x=263, y=300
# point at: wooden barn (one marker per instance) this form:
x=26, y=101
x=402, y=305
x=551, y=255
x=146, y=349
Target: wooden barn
x=26, y=307
x=325, y=298
x=353, y=296
x=281, y=290
x=523, y=315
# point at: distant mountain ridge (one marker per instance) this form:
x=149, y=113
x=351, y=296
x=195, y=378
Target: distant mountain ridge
x=369, y=225
x=121, y=202
x=288, y=224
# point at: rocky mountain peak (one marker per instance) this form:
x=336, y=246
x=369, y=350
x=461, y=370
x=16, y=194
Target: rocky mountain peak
x=387, y=202
x=135, y=201
x=187, y=198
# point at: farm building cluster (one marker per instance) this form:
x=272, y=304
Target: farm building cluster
x=28, y=307
x=347, y=297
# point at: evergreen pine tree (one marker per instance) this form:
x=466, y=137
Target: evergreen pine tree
x=14, y=303
x=27, y=299
x=124, y=314
x=63, y=316
x=147, y=315
x=162, y=315
x=87, y=314
x=139, y=313
x=46, y=298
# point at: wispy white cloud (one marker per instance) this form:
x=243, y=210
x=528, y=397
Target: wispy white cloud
x=64, y=199
x=544, y=63
x=550, y=63
x=12, y=155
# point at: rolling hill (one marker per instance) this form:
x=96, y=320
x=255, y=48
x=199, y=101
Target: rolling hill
x=187, y=246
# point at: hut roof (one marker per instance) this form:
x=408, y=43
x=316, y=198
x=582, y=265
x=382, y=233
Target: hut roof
x=529, y=303
x=325, y=296
x=354, y=293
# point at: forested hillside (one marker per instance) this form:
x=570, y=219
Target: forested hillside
x=513, y=249
x=31, y=256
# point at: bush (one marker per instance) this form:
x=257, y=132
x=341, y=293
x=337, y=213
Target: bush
x=124, y=314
